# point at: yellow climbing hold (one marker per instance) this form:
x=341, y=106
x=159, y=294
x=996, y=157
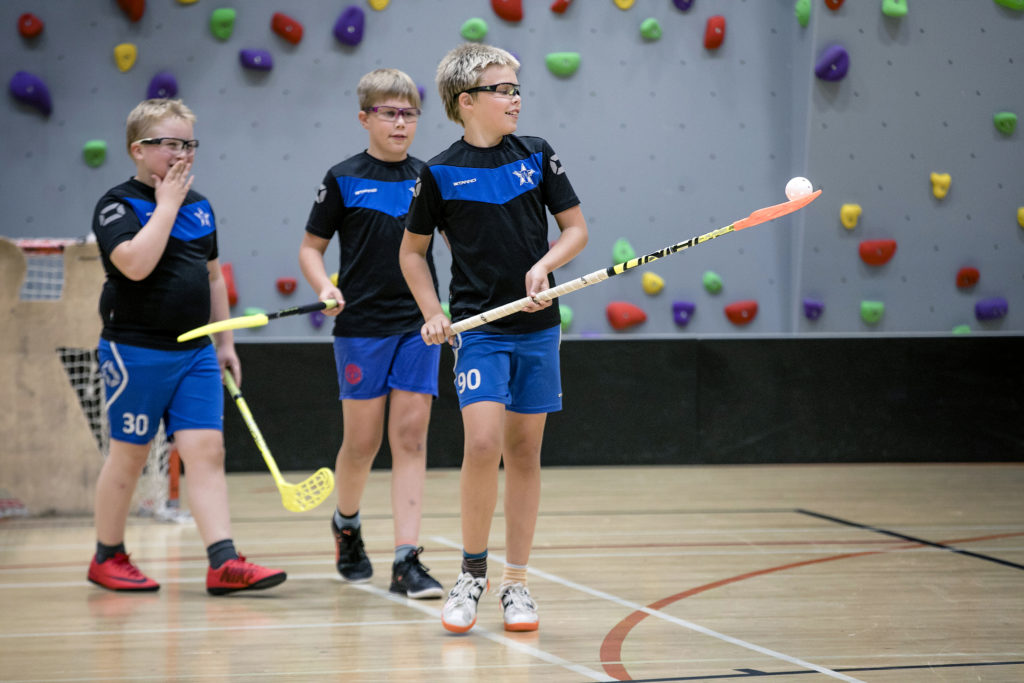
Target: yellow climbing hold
x=334, y=279
x=849, y=214
x=624, y=4
x=188, y=2
x=1020, y=216
x=379, y=4
x=124, y=56
x=940, y=184
x=653, y=283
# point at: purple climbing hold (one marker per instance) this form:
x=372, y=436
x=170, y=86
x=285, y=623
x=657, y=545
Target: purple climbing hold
x=682, y=311
x=348, y=29
x=162, y=85
x=683, y=5
x=813, y=308
x=833, y=63
x=258, y=60
x=423, y=93
x=316, y=319
x=30, y=89
x=991, y=309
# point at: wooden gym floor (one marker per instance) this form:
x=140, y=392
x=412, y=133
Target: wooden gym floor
x=770, y=573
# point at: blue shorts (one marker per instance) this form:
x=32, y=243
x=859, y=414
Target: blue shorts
x=520, y=371
x=143, y=386
x=370, y=367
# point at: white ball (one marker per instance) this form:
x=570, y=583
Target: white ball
x=798, y=187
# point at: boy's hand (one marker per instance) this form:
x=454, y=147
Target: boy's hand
x=536, y=282
x=437, y=330
x=332, y=292
x=173, y=187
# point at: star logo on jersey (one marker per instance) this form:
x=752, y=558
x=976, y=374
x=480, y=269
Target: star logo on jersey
x=321, y=193
x=556, y=165
x=524, y=174
x=110, y=213
x=203, y=217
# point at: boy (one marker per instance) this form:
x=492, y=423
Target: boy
x=488, y=193
x=158, y=242
x=377, y=346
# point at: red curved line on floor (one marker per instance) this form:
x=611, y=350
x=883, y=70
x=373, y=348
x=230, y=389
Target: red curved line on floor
x=611, y=646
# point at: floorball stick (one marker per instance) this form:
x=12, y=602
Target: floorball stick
x=256, y=320
x=769, y=213
x=300, y=497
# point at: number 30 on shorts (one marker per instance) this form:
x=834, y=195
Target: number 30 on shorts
x=135, y=424
x=468, y=380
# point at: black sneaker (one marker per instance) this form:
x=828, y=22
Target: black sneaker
x=410, y=578
x=349, y=555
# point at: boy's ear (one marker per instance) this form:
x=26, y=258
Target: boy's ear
x=465, y=101
x=363, y=117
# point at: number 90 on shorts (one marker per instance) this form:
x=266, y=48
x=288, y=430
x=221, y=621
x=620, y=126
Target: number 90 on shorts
x=520, y=371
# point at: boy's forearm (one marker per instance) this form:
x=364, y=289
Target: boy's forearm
x=417, y=278
x=311, y=262
x=569, y=244
x=137, y=257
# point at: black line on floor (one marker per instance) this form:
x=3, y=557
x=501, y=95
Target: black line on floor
x=754, y=673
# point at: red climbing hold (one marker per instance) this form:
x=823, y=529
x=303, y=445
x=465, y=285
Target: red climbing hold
x=741, y=312
x=967, y=277
x=286, y=285
x=286, y=27
x=509, y=10
x=133, y=8
x=622, y=315
x=29, y=25
x=877, y=252
x=228, y=273
x=559, y=6
x=714, y=32
x=833, y=4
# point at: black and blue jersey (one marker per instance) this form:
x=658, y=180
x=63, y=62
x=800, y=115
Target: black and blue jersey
x=175, y=297
x=492, y=203
x=365, y=201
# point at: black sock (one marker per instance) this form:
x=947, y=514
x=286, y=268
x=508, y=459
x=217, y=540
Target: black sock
x=475, y=564
x=220, y=552
x=105, y=552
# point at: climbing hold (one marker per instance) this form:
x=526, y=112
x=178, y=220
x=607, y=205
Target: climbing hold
x=316, y=319
x=1012, y=4
x=133, y=8
x=227, y=272
x=991, y=309
x=379, y=4
x=1020, y=216
x=683, y=5
x=565, y=315
x=1005, y=121
x=29, y=89
x=124, y=56
x=562, y=63
x=650, y=29
x=259, y=60
x=624, y=4
x=741, y=312
x=222, y=22
x=833, y=63
x=334, y=278
x=849, y=214
x=509, y=10
x=348, y=29
x=254, y=310
x=188, y=2
x=652, y=283
x=286, y=285
x=559, y=6
x=474, y=29
x=802, y=9
x=833, y=4
x=871, y=311
x=447, y=310
x=714, y=32
x=622, y=251
x=682, y=311
x=286, y=27
x=29, y=25
x=813, y=308
x=94, y=152
x=894, y=8
x=940, y=184
x=162, y=84
x=877, y=252
x=423, y=93
x=712, y=282
x=967, y=277
x=962, y=329
x=622, y=315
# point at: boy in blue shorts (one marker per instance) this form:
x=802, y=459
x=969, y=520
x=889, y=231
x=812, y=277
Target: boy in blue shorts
x=377, y=346
x=158, y=242
x=489, y=194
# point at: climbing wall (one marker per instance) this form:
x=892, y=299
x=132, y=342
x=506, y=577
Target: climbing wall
x=679, y=117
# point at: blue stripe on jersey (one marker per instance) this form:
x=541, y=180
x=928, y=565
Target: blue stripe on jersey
x=392, y=198
x=491, y=185
x=192, y=222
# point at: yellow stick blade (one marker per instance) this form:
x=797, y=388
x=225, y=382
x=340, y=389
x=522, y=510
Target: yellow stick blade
x=224, y=325
x=308, y=493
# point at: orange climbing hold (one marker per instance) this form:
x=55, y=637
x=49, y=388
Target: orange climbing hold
x=714, y=32
x=967, y=277
x=228, y=273
x=286, y=285
x=133, y=8
x=29, y=25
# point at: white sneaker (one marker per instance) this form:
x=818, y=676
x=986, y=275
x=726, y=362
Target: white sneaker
x=459, y=613
x=519, y=608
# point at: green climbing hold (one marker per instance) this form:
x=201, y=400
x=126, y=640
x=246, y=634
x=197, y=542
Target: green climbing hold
x=1006, y=121
x=871, y=311
x=255, y=310
x=474, y=29
x=95, y=152
x=712, y=282
x=566, y=315
x=650, y=29
x=894, y=8
x=222, y=22
x=802, y=9
x=563, y=63
x=447, y=310
x=962, y=329
x=622, y=251
x=1012, y=4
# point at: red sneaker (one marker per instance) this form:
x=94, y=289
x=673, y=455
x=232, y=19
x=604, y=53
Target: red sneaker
x=239, y=575
x=117, y=573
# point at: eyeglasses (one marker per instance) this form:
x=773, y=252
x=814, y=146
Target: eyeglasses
x=175, y=145
x=502, y=89
x=391, y=114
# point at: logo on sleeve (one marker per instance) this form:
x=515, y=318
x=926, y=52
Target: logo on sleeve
x=556, y=165
x=321, y=193
x=110, y=213
x=416, y=189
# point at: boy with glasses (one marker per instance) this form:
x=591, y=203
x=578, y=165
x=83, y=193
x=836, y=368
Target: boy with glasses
x=158, y=242
x=377, y=347
x=489, y=194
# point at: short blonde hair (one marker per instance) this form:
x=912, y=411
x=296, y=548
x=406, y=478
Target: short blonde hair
x=461, y=68
x=381, y=84
x=150, y=112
